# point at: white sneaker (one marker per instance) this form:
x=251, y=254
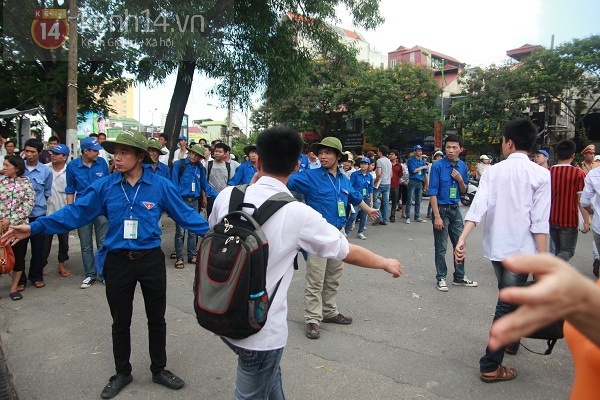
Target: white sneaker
x=408, y=220
x=441, y=285
x=420, y=220
x=87, y=282
x=361, y=236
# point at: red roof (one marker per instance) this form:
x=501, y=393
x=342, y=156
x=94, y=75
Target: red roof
x=523, y=51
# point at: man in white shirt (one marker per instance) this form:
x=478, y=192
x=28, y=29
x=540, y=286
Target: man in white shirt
x=290, y=228
x=515, y=195
x=591, y=193
x=164, y=139
x=383, y=179
x=181, y=152
x=484, y=163
x=57, y=200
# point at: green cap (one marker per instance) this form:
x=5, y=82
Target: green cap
x=197, y=148
x=250, y=148
x=155, y=144
x=132, y=139
x=331, y=143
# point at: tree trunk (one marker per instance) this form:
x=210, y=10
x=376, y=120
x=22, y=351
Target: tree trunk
x=181, y=93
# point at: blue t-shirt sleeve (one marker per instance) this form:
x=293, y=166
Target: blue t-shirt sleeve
x=434, y=179
x=71, y=181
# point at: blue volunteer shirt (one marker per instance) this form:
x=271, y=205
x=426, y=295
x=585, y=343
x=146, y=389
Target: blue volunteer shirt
x=114, y=198
x=193, y=180
x=41, y=179
x=362, y=183
x=414, y=163
x=243, y=174
x=80, y=176
x=160, y=170
x=304, y=163
x=443, y=185
x=322, y=191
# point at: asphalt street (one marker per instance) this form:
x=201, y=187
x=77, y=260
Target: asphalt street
x=407, y=341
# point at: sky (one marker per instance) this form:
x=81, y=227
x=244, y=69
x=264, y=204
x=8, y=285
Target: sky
x=476, y=32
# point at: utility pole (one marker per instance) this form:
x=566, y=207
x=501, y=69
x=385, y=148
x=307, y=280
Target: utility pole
x=71, y=139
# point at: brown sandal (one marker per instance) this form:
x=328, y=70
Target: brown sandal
x=179, y=264
x=501, y=374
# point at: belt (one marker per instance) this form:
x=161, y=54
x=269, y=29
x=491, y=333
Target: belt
x=134, y=255
x=450, y=206
x=415, y=179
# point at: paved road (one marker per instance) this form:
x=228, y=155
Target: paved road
x=408, y=341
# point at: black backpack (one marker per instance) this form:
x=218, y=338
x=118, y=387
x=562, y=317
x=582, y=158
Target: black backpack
x=230, y=296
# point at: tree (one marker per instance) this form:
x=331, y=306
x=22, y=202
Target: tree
x=392, y=102
x=492, y=97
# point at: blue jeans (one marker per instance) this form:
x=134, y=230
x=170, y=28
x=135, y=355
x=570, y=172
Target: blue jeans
x=415, y=192
x=453, y=227
x=99, y=225
x=565, y=241
x=356, y=214
x=180, y=233
x=258, y=374
x=384, y=189
x=492, y=359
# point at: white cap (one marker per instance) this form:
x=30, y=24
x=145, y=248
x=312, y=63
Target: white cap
x=597, y=158
x=484, y=157
x=438, y=153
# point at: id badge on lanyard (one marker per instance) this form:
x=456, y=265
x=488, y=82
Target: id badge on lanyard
x=341, y=209
x=453, y=193
x=130, y=229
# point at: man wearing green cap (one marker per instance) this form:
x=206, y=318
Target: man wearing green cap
x=328, y=191
x=245, y=172
x=132, y=199
x=189, y=177
x=158, y=168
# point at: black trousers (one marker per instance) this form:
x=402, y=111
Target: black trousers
x=63, y=247
x=122, y=275
x=36, y=265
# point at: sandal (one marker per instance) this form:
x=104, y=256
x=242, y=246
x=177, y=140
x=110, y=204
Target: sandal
x=20, y=288
x=501, y=374
x=179, y=264
x=16, y=296
x=192, y=260
x=173, y=255
x=39, y=284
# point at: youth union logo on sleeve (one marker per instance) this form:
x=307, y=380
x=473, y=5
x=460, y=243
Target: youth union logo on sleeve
x=148, y=205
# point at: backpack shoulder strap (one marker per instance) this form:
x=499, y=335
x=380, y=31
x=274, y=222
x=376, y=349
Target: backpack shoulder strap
x=237, y=197
x=228, y=166
x=181, y=168
x=269, y=207
x=208, y=168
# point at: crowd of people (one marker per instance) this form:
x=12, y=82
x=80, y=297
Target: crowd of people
x=118, y=190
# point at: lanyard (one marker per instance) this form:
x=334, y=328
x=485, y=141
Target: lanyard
x=338, y=190
x=131, y=202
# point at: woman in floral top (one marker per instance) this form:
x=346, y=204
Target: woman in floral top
x=16, y=202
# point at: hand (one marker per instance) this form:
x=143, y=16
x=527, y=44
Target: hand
x=393, y=267
x=15, y=233
x=460, y=251
x=438, y=223
x=457, y=176
x=373, y=213
x=556, y=294
x=5, y=224
x=586, y=227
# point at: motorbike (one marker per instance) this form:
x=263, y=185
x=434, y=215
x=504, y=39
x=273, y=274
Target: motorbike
x=467, y=198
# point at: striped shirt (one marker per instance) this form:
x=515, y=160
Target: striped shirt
x=567, y=184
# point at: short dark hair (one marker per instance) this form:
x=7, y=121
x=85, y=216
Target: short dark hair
x=223, y=146
x=395, y=152
x=384, y=150
x=35, y=143
x=18, y=163
x=279, y=149
x=565, y=149
x=53, y=139
x=522, y=132
x=164, y=136
x=102, y=134
x=358, y=150
x=95, y=135
x=454, y=138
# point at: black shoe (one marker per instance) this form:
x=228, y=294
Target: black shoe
x=596, y=267
x=168, y=379
x=115, y=384
x=392, y=219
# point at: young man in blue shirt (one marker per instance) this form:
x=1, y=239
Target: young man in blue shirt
x=362, y=181
x=447, y=181
x=328, y=191
x=81, y=173
x=133, y=200
x=245, y=172
x=417, y=170
x=41, y=179
x=158, y=168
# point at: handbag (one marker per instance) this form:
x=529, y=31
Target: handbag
x=7, y=259
x=550, y=333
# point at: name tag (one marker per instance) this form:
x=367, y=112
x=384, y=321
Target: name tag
x=453, y=193
x=364, y=192
x=130, y=229
x=341, y=209
x=193, y=186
